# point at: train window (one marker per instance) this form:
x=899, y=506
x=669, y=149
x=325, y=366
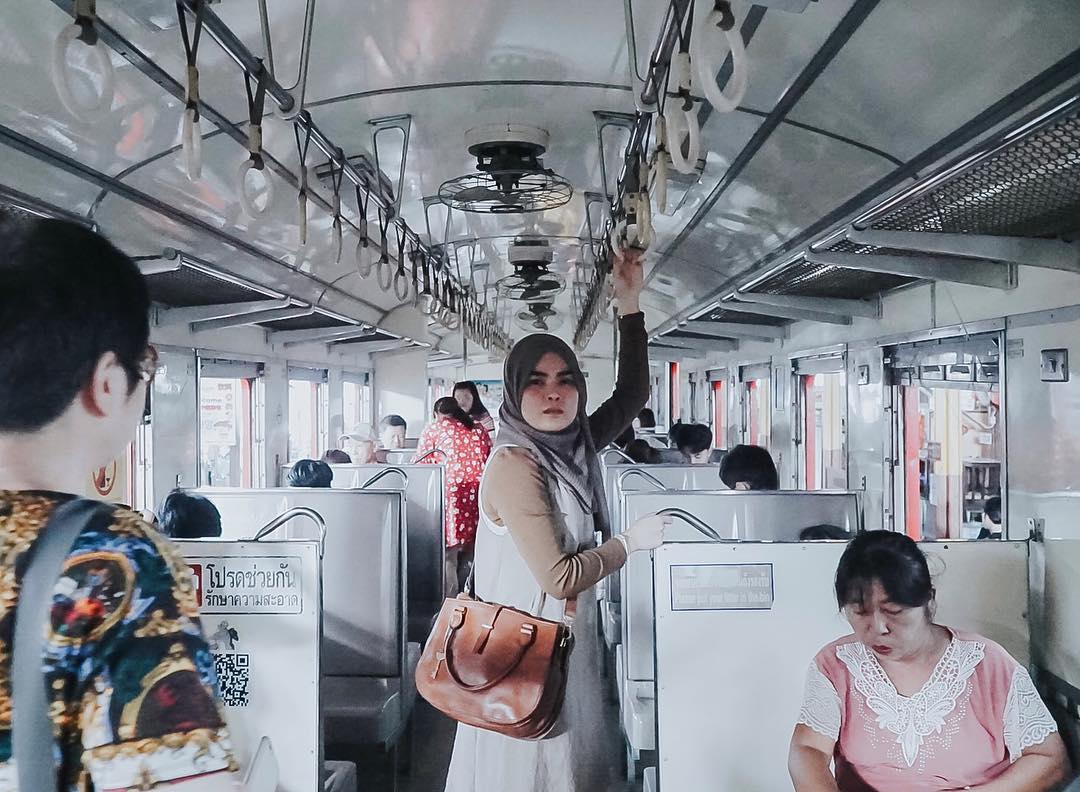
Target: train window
x=820, y=410
x=718, y=396
x=356, y=401
x=309, y=408
x=951, y=436
x=756, y=384
x=227, y=430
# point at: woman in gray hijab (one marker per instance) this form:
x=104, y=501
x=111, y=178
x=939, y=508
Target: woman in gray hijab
x=542, y=502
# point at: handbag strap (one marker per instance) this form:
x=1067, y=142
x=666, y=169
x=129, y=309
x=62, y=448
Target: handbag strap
x=569, y=609
x=32, y=739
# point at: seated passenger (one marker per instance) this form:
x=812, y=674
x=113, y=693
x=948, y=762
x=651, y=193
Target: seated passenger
x=335, y=456
x=641, y=452
x=906, y=704
x=392, y=430
x=359, y=444
x=624, y=439
x=824, y=531
x=185, y=515
x=646, y=420
x=694, y=442
x=749, y=467
x=991, y=519
x=311, y=473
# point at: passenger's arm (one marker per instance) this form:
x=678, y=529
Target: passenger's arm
x=516, y=495
x=808, y=761
x=632, y=385
x=1040, y=768
x=425, y=444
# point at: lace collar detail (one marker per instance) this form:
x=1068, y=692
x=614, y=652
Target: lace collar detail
x=915, y=718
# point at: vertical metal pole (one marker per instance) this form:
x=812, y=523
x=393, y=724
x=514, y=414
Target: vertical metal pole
x=464, y=353
x=615, y=343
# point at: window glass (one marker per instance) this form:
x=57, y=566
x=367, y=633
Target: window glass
x=822, y=463
x=303, y=420
x=720, y=414
x=225, y=432
x=758, y=412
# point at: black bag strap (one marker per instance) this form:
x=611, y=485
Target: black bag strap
x=33, y=733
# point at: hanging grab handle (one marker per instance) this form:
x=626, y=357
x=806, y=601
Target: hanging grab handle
x=385, y=271
x=192, y=134
x=706, y=56
x=84, y=31
x=302, y=147
x=255, y=163
x=364, y=251
x=337, y=175
x=401, y=279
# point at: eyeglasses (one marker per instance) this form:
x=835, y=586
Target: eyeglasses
x=147, y=367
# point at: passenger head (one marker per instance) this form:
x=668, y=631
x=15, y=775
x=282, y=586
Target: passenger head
x=75, y=358
x=359, y=444
x=311, y=473
x=823, y=531
x=335, y=456
x=185, y=515
x=884, y=588
x=646, y=419
x=626, y=438
x=641, y=452
x=695, y=443
x=392, y=430
x=992, y=513
x=544, y=383
x=749, y=467
x=448, y=407
x=468, y=397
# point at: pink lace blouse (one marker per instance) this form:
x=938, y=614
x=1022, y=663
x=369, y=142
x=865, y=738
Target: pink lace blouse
x=974, y=716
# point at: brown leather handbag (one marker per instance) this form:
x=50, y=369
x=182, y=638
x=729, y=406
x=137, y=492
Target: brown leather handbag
x=497, y=668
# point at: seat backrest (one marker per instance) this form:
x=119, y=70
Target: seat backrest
x=365, y=564
x=747, y=516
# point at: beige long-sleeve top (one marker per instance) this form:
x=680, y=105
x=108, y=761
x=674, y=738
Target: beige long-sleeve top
x=516, y=493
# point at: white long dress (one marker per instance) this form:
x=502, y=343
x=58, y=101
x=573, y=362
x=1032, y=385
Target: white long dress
x=572, y=758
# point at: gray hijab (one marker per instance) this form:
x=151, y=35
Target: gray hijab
x=570, y=454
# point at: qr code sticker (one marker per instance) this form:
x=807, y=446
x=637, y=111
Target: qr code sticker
x=233, y=673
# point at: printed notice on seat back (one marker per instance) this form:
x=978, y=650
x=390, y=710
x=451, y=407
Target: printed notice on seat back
x=721, y=587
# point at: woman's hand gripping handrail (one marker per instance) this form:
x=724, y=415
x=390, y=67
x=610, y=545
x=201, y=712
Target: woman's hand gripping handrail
x=431, y=453
x=695, y=522
x=382, y=473
x=642, y=474
x=292, y=514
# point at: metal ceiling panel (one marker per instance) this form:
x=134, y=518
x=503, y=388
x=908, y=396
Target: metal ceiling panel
x=51, y=185
x=795, y=179
x=917, y=70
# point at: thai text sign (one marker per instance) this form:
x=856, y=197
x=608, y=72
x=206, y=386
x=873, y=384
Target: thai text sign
x=252, y=584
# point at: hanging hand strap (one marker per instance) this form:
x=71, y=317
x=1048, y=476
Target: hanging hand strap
x=33, y=732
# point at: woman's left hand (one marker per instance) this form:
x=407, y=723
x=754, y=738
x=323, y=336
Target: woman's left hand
x=628, y=279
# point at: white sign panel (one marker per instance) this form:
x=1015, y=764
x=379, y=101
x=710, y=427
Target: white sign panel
x=217, y=411
x=721, y=587
x=260, y=605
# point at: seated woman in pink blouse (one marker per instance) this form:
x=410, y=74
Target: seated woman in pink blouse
x=905, y=704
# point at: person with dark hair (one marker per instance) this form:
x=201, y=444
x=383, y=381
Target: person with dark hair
x=624, y=439
x=392, y=429
x=694, y=442
x=824, y=531
x=464, y=446
x=991, y=519
x=335, y=456
x=904, y=703
x=646, y=419
x=75, y=366
x=466, y=395
x=542, y=504
x=749, y=467
x=185, y=515
x=641, y=452
x=311, y=473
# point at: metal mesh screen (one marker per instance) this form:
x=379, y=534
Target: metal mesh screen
x=1031, y=188
x=313, y=322
x=815, y=280
x=365, y=340
x=749, y=317
x=188, y=288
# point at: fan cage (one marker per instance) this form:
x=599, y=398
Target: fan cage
x=533, y=191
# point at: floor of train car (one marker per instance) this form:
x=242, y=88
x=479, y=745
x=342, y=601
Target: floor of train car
x=433, y=741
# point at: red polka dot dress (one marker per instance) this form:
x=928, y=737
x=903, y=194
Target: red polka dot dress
x=464, y=453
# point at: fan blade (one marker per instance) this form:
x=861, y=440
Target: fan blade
x=478, y=195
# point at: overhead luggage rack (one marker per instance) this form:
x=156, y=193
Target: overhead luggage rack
x=825, y=280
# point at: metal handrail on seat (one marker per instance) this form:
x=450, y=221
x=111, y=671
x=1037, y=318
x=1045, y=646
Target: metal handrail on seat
x=430, y=453
x=695, y=522
x=292, y=514
x=382, y=473
x=642, y=474
x=618, y=451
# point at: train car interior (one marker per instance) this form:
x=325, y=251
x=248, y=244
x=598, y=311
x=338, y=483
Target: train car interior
x=858, y=228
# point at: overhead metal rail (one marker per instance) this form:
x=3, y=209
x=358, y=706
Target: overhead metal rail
x=254, y=68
